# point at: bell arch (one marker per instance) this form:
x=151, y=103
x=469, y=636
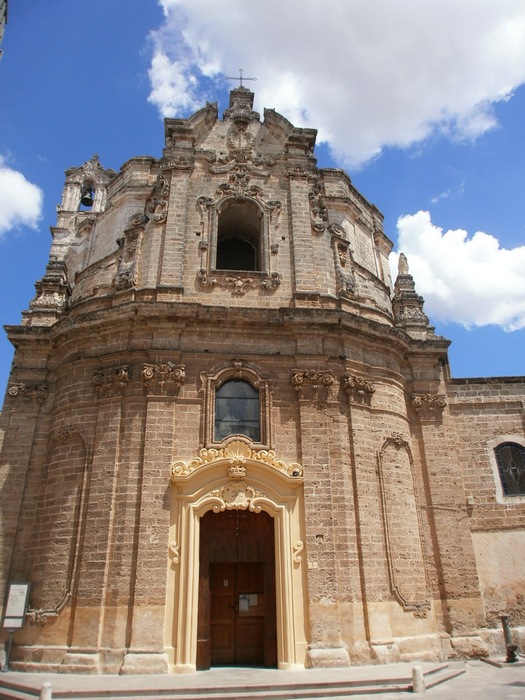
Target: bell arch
x=235, y=477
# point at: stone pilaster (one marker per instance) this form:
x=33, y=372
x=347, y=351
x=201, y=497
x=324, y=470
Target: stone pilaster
x=315, y=389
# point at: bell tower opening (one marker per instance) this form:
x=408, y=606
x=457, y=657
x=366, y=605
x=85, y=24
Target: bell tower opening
x=239, y=238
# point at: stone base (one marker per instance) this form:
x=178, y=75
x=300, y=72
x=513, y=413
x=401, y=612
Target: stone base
x=147, y=664
x=327, y=658
x=385, y=653
x=75, y=662
x=465, y=647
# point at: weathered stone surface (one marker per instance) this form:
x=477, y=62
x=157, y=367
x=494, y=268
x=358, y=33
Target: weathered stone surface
x=233, y=257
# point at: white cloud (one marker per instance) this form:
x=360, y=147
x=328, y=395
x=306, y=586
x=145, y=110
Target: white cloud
x=467, y=280
x=366, y=74
x=20, y=200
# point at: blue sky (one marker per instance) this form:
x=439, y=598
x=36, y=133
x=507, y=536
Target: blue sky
x=423, y=104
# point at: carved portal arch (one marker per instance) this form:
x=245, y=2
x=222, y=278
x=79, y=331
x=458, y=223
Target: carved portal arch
x=235, y=477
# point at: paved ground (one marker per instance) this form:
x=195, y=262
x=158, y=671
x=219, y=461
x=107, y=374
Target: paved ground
x=480, y=680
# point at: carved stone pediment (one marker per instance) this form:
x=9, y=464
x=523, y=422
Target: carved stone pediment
x=236, y=455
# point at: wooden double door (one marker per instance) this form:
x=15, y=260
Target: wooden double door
x=237, y=624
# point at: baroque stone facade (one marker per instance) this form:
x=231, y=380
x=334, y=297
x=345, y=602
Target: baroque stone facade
x=229, y=438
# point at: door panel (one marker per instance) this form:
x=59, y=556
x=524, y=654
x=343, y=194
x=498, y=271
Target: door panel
x=236, y=623
x=237, y=613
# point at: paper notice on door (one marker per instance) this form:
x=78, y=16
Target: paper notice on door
x=244, y=602
x=253, y=600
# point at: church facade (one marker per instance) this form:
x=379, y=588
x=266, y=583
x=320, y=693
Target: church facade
x=229, y=438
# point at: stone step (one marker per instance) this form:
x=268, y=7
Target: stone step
x=336, y=688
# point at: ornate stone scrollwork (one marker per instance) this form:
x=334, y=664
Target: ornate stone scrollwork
x=28, y=392
x=299, y=171
x=111, y=381
x=358, y=389
x=174, y=554
x=429, y=407
x=314, y=385
x=271, y=282
x=239, y=285
x=126, y=276
x=318, y=212
x=157, y=204
x=166, y=378
x=206, y=280
x=236, y=454
x=297, y=550
x=178, y=163
x=343, y=267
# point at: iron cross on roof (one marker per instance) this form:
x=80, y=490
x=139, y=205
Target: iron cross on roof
x=240, y=78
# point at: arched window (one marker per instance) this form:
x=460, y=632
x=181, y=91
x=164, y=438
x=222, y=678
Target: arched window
x=237, y=410
x=239, y=238
x=510, y=458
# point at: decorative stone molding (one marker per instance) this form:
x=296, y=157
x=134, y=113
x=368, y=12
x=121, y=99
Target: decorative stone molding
x=239, y=285
x=166, y=378
x=407, y=305
x=174, y=554
x=111, y=381
x=236, y=455
x=358, y=389
x=297, y=550
x=235, y=495
x=429, y=407
x=157, y=205
x=28, y=393
x=314, y=385
x=240, y=109
x=406, y=562
x=318, y=212
x=343, y=266
x=178, y=163
x=130, y=246
x=52, y=294
x=299, y=171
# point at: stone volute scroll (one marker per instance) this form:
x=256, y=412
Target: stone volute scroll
x=358, y=389
x=165, y=378
x=314, y=385
x=429, y=407
x=111, y=381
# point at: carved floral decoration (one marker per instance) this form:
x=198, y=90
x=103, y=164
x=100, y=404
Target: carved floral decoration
x=157, y=204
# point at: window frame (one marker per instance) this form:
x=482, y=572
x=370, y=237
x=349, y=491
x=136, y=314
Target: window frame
x=501, y=496
x=214, y=380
